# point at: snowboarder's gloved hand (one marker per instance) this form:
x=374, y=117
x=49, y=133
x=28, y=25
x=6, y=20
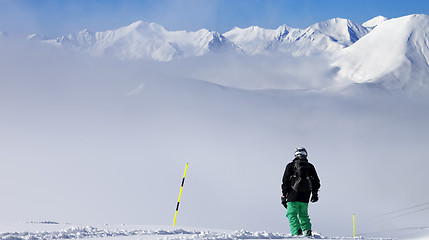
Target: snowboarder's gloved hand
x=284, y=203
x=314, y=196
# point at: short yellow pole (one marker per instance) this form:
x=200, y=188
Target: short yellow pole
x=354, y=225
x=180, y=194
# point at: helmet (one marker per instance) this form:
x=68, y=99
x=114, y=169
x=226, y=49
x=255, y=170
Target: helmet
x=300, y=152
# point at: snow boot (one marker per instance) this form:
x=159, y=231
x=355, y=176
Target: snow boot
x=308, y=233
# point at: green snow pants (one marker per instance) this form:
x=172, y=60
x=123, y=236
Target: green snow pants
x=297, y=213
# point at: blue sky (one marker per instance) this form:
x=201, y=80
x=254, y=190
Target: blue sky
x=59, y=17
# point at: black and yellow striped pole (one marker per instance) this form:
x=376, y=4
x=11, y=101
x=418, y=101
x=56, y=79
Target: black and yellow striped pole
x=180, y=194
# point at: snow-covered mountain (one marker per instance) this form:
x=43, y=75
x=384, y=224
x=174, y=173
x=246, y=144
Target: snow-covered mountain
x=341, y=31
x=395, y=55
x=256, y=40
x=142, y=40
x=323, y=37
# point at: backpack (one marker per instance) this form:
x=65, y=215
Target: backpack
x=301, y=176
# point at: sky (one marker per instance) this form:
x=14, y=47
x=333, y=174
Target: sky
x=55, y=18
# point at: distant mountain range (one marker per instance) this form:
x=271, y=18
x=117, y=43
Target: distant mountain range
x=142, y=40
x=393, y=53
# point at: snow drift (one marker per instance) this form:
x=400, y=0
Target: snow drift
x=123, y=232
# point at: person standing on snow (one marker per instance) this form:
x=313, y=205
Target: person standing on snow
x=300, y=181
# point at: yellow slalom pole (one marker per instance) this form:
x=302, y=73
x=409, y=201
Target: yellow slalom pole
x=180, y=194
x=354, y=225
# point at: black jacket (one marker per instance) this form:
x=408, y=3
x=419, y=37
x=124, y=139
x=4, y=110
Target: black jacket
x=293, y=196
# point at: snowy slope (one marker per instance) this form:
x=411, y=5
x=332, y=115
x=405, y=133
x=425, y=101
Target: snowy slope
x=395, y=55
x=142, y=40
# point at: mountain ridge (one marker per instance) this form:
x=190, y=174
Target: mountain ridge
x=142, y=40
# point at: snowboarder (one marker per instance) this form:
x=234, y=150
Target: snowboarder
x=300, y=181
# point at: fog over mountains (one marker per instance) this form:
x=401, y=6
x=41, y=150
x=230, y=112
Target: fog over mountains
x=392, y=53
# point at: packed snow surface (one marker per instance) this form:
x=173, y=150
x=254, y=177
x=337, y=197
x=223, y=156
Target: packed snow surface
x=45, y=231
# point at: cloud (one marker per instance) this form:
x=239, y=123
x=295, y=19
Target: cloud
x=136, y=91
